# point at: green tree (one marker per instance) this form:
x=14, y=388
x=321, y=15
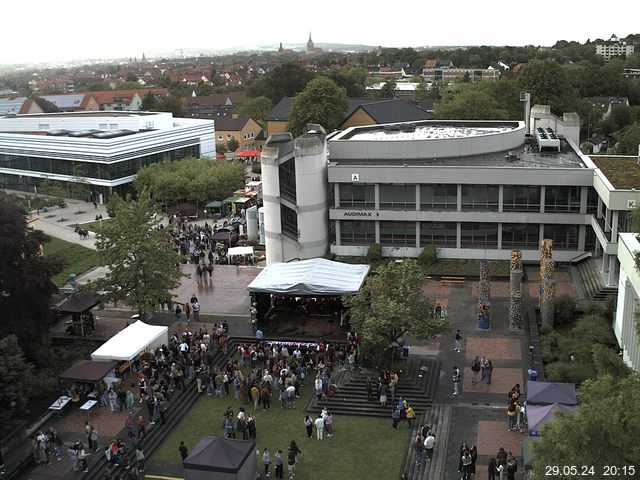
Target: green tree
x=383, y=315
x=322, y=102
x=389, y=89
x=46, y=105
x=548, y=84
x=25, y=283
x=422, y=92
x=171, y=104
x=353, y=79
x=257, y=108
x=232, y=144
x=630, y=141
x=470, y=104
x=149, y=101
x=606, y=407
x=283, y=81
x=19, y=380
x=53, y=189
x=138, y=254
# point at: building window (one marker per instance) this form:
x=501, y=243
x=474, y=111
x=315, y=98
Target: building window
x=520, y=235
x=438, y=197
x=480, y=197
x=479, y=235
x=288, y=180
x=398, y=234
x=289, y=220
x=357, y=195
x=220, y=137
x=562, y=199
x=565, y=237
x=592, y=200
x=353, y=232
x=520, y=198
x=398, y=197
x=438, y=234
x=228, y=137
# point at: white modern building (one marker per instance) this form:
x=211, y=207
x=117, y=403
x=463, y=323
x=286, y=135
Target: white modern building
x=106, y=149
x=628, y=300
x=614, y=47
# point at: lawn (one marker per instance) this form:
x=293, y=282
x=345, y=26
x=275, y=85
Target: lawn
x=76, y=258
x=95, y=225
x=361, y=448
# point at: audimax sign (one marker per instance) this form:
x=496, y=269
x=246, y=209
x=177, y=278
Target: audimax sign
x=359, y=213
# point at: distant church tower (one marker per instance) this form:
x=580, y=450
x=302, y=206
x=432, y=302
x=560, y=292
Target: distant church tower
x=310, y=45
x=280, y=49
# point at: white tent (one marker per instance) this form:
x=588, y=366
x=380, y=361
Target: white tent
x=317, y=276
x=128, y=343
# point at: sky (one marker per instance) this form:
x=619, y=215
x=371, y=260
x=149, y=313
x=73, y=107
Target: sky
x=46, y=31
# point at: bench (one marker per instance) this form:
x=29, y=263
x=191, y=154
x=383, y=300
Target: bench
x=452, y=280
x=59, y=404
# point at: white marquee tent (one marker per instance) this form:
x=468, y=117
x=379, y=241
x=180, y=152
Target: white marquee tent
x=128, y=343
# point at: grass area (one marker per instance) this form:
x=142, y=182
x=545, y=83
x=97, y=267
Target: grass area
x=95, y=225
x=356, y=442
x=76, y=258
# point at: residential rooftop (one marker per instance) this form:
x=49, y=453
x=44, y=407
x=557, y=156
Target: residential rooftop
x=622, y=172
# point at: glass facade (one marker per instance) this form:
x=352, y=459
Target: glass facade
x=398, y=197
x=480, y=197
x=288, y=180
x=479, y=235
x=289, y=219
x=438, y=197
x=562, y=199
x=520, y=235
x=353, y=232
x=355, y=195
x=565, y=237
x=438, y=234
x=398, y=234
x=520, y=198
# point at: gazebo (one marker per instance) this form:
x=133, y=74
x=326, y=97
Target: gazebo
x=219, y=458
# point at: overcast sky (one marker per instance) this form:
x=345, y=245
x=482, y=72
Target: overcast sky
x=44, y=30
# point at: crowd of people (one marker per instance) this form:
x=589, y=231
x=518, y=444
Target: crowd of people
x=482, y=367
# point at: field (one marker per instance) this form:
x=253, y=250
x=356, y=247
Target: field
x=76, y=258
x=361, y=448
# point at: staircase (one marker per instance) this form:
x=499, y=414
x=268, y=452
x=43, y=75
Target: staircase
x=594, y=286
x=351, y=395
x=439, y=417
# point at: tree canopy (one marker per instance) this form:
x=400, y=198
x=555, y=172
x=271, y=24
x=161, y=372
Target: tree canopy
x=141, y=261
x=19, y=380
x=257, y=108
x=322, y=102
x=191, y=180
x=283, y=81
x=548, y=84
x=25, y=281
x=353, y=79
x=599, y=430
x=470, y=105
x=630, y=140
x=383, y=315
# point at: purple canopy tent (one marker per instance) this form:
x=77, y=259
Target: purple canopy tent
x=546, y=393
x=537, y=415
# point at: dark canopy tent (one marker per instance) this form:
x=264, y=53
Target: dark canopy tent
x=218, y=458
x=78, y=303
x=546, y=393
x=88, y=371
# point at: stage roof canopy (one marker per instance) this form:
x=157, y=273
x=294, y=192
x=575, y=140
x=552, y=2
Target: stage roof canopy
x=317, y=276
x=128, y=343
x=218, y=458
x=88, y=370
x=546, y=393
x=78, y=303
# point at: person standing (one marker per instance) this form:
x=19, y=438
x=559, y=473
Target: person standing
x=292, y=459
x=187, y=311
x=395, y=415
x=488, y=372
x=458, y=343
x=93, y=439
x=184, y=451
x=279, y=464
x=178, y=313
x=512, y=414
x=139, y=458
x=196, y=311
x=492, y=469
x=466, y=465
x=483, y=367
x=266, y=460
x=512, y=466
x=308, y=424
x=328, y=424
x=411, y=415
x=319, y=422
x=429, y=444
x=456, y=380
x=418, y=448
x=475, y=368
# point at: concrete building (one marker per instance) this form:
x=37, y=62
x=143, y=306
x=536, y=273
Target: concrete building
x=628, y=300
x=107, y=147
x=614, y=47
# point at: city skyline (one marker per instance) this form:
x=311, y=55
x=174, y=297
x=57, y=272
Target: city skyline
x=55, y=33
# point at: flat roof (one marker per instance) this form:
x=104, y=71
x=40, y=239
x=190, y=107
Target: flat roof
x=622, y=172
x=426, y=132
x=525, y=156
x=100, y=113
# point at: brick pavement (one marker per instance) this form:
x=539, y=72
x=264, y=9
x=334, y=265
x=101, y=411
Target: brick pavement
x=501, y=381
x=498, y=289
x=493, y=348
x=494, y=434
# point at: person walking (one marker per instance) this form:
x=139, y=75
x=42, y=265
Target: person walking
x=475, y=368
x=458, y=342
x=456, y=380
x=319, y=423
x=292, y=459
x=184, y=451
x=466, y=465
x=418, y=448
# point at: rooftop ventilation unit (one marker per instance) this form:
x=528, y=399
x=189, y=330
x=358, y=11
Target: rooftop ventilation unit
x=83, y=133
x=113, y=134
x=57, y=133
x=547, y=139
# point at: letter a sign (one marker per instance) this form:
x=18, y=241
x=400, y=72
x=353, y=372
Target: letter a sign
x=355, y=177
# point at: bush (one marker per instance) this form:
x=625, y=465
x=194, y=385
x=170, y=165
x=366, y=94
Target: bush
x=608, y=362
x=565, y=310
x=594, y=329
x=572, y=372
x=548, y=344
x=595, y=308
x=256, y=168
x=428, y=256
x=374, y=253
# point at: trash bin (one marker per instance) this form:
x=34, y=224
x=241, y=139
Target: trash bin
x=405, y=352
x=72, y=278
x=533, y=375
